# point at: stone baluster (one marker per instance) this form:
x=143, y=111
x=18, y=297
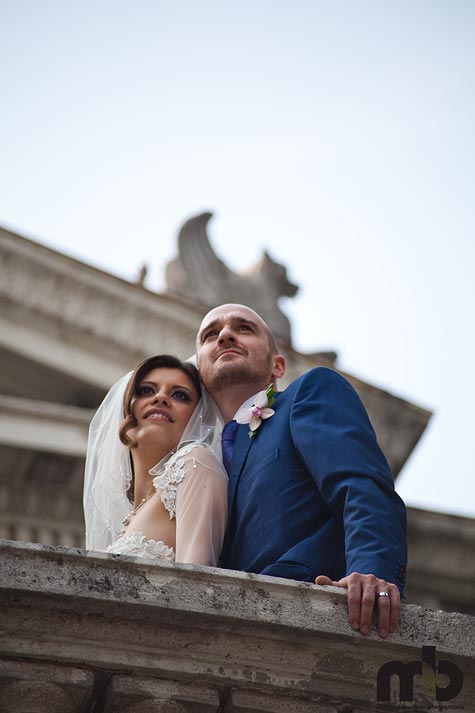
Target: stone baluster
x=35, y=697
x=157, y=705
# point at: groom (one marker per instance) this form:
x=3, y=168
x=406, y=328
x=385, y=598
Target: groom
x=310, y=493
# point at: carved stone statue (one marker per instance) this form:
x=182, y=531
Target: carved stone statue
x=142, y=273
x=199, y=275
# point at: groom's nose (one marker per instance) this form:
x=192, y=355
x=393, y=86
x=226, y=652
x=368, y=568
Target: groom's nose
x=226, y=334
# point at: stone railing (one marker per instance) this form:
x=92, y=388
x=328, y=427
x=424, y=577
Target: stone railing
x=94, y=633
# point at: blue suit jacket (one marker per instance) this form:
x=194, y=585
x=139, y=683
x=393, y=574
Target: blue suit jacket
x=312, y=493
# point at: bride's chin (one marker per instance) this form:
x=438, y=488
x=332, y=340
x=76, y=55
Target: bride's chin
x=153, y=430
x=156, y=437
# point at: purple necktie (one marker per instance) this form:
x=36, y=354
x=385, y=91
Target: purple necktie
x=228, y=436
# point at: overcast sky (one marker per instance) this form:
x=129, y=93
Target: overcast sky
x=337, y=135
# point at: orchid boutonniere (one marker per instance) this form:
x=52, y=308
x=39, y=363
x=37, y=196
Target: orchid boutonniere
x=258, y=412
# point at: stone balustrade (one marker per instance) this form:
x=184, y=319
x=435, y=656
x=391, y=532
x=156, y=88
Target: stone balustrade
x=85, y=632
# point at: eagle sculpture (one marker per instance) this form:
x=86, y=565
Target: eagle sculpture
x=199, y=275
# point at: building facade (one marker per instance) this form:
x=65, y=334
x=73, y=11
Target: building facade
x=81, y=633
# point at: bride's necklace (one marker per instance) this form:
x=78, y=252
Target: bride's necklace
x=128, y=519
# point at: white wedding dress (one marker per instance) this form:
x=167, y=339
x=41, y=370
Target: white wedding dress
x=193, y=488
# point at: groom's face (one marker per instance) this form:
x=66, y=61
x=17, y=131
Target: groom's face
x=234, y=347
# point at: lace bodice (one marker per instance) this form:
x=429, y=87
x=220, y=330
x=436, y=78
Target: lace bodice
x=192, y=486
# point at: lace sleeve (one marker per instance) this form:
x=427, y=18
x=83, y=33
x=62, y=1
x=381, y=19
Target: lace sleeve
x=201, y=508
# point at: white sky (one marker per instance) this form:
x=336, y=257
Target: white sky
x=338, y=135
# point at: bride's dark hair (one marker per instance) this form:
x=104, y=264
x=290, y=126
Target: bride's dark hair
x=161, y=361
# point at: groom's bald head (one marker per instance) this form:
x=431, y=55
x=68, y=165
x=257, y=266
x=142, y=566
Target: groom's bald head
x=217, y=313
x=235, y=346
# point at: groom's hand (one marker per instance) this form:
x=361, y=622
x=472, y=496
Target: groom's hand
x=363, y=591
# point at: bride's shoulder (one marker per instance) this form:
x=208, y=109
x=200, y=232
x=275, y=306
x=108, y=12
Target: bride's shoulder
x=188, y=459
x=201, y=453
x=194, y=459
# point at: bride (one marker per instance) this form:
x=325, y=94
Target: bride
x=154, y=486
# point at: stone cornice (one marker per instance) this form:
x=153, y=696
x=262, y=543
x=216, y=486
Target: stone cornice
x=441, y=567
x=430, y=523
x=45, y=410
x=93, y=301
x=39, y=425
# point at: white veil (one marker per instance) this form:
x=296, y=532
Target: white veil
x=108, y=469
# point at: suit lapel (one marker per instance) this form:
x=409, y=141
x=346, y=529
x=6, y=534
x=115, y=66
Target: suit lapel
x=242, y=446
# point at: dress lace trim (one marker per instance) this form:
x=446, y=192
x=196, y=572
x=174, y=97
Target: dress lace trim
x=167, y=481
x=136, y=545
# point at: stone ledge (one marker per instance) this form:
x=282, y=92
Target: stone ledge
x=44, y=426
x=242, y=636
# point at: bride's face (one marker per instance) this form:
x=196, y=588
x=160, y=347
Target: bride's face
x=163, y=403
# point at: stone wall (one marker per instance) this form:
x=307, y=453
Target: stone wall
x=441, y=568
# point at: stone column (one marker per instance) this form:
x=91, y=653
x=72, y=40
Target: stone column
x=135, y=694
x=154, y=706
x=32, y=687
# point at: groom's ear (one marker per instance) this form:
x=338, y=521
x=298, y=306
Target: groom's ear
x=278, y=366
